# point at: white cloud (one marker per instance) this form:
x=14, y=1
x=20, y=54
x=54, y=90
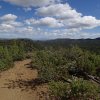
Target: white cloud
x=6, y=28
x=86, y=22
x=89, y=35
x=46, y=22
x=31, y=3
x=8, y=23
x=8, y=17
x=57, y=21
x=27, y=30
x=58, y=10
x=68, y=16
x=27, y=9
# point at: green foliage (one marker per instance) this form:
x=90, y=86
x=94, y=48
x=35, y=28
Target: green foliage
x=59, y=90
x=11, y=53
x=78, y=90
x=85, y=60
x=53, y=61
x=83, y=89
x=54, y=65
x=17, y=51
x=5, y=58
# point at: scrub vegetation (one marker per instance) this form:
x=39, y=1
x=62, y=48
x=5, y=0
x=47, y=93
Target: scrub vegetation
x=71, y=70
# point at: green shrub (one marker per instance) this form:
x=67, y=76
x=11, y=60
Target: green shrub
x=54, y=65
x=59, y=90
x=84, y=90
x=78, y=90
x=51, y=65
x=9, y=54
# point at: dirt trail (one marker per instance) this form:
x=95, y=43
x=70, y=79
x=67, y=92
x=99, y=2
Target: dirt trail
x=19, y=83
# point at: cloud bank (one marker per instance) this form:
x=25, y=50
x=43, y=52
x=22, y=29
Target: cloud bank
x=56, y=20
x=31, y=3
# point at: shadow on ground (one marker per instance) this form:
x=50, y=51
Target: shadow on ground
x=24, y=85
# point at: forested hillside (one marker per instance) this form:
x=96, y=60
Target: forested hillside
x=88, y=44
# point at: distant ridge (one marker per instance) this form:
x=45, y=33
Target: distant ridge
x=89, y=44
x=98, y=38
x=49, y=39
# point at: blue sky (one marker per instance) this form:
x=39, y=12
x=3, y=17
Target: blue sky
x=49, y=19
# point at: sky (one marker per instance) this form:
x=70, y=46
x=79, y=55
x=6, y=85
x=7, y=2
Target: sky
x=49, y=19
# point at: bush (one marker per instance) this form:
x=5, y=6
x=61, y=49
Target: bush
x=54, y=65
x=51, y=65
x=84, y=90
x=83, y=60
x=6, y=58
x=78, y=90
x=9, y=54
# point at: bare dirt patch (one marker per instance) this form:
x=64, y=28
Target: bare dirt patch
x=21, y=83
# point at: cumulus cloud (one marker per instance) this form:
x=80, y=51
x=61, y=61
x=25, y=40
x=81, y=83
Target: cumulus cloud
x=58, y=10
x=86, y=22
x=8, y=17
x=47, y=22
x=9, y=23
x=6, y=28
x=11, y=28
x=31, y=3
x=70, y=17
x=25, y=30
x=54, y=21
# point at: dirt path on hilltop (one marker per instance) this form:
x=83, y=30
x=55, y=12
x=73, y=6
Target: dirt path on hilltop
x=20, y=83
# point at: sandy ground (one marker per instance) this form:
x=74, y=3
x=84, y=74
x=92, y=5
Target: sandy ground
x=19, y=83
